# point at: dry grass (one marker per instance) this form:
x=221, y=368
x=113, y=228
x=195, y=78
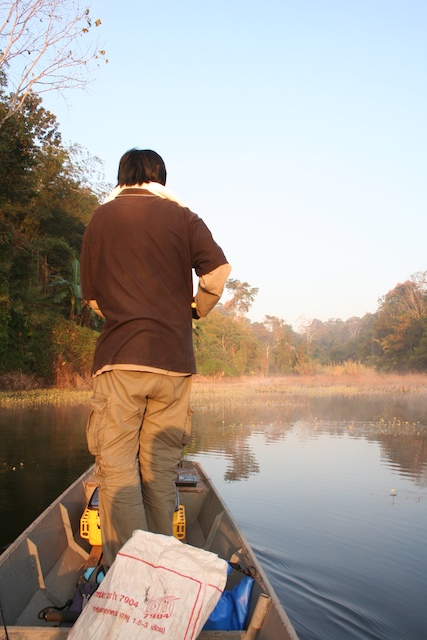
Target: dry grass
x=37, y=397
x=327, y=383
x=332, y=381
x=18, y=381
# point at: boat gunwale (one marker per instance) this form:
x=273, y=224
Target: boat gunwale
x=36, y=632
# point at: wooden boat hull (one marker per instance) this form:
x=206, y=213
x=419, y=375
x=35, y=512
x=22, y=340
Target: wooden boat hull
x=42, y=567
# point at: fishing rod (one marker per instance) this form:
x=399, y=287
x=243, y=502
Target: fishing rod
x=4, y=623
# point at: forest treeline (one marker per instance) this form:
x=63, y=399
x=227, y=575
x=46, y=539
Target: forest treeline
x=47, y=336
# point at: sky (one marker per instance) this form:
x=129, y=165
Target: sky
x=296, y=130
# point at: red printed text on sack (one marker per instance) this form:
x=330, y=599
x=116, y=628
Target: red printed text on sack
x=157, y=608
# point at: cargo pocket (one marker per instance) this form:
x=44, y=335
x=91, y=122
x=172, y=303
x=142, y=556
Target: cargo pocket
x=187, y=428
x=96, y=423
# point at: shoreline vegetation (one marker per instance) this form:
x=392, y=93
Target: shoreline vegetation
x=333, y=381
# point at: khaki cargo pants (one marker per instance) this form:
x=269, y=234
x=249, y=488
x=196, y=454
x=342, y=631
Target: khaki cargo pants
x=138, y=425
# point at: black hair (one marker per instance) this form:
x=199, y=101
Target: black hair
x=141, y=165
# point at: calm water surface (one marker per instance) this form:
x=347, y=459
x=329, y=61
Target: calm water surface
x=331, y=493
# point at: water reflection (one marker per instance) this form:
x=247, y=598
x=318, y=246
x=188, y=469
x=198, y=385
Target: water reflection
x=310, y=482
x=41, y=452
x=345, y=553
x=407, y=454
x=399, y=426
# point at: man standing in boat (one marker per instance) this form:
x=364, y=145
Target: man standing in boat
x=137, y=257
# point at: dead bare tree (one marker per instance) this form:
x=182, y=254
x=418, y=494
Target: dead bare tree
x=44, y=46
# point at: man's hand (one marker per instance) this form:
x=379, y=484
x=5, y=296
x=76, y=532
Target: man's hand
x=94, y=306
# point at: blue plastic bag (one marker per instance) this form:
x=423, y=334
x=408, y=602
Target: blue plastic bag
x=231, y=611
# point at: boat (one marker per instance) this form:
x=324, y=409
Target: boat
x=41, y=569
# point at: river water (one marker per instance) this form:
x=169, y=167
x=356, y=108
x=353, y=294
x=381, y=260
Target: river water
x=331, y=493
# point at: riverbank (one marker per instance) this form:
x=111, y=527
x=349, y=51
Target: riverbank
x=249, y=389
x=329, y=382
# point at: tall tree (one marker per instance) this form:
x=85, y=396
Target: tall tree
x=44, y=205
x=44, y=46
x=225, y=347
x=281, y=345
x=243, y=297
x=401, y=322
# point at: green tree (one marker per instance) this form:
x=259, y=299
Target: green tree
x=225, y=347
x=265, y=340
x=401, y=322
x=242, y=299
x=43, y=210
x=360, y=344
x=69, y=290
x=282, y=345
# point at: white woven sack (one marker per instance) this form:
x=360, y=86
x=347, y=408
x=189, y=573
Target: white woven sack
x=157, y=588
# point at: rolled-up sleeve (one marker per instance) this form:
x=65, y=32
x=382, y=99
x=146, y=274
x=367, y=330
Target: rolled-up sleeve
x=210, y=289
